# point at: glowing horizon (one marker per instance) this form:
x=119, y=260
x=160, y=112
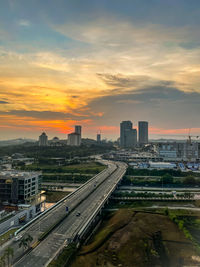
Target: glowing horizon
x=97, y=64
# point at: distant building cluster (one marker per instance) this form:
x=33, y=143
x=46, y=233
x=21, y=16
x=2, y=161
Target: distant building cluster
x=128, y=135
x=74, y=139
x=187, y=150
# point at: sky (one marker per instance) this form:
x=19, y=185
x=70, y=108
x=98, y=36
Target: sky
x=97, y=63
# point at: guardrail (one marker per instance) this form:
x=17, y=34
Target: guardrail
x=91, y=218
x=155, y=198
x=61, y=201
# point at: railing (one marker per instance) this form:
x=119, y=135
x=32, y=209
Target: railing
x=92, y=217
x=60, y=201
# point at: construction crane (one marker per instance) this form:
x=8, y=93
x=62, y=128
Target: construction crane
x=190, y=136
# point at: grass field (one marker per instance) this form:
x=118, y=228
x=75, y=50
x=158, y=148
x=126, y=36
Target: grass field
x=133, y=239
x=5, y=237
x=91, y=167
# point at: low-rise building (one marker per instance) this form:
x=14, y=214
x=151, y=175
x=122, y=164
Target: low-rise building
x=186, y=151
x=19, y=187
x=161, y=165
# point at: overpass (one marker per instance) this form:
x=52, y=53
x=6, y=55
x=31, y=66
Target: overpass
x=71, y=223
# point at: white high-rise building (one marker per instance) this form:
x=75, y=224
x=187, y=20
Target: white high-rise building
x=74, y=139
x=43, y=140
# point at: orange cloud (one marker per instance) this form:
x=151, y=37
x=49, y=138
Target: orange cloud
x=32, y=124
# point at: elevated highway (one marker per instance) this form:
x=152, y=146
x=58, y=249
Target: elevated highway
x=83, y=205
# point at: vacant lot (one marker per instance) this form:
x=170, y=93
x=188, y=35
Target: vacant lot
x=131, y=238
x=52, y=196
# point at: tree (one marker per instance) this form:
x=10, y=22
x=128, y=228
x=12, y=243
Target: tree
x=166, y=212
x=188, y=195
x=29, y=239
x=9, y=252
x=3, y=260
x=25, y=241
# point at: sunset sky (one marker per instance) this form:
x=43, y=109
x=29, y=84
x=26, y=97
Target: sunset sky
x=96, y=63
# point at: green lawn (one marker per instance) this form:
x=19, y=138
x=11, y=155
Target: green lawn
x=91, y=167
x=5, y=237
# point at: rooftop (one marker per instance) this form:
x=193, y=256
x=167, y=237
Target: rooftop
x=17, y=174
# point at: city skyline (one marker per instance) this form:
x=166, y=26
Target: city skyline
x=98, y=63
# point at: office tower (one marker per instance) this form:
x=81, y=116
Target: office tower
x=125, y=127
x=143, y=132
x=134, y=133
x=43, y=140
x=78, y=129
x=128, y=135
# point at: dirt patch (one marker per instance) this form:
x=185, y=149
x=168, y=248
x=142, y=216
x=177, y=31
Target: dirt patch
x=53, y=196
x=138, y=239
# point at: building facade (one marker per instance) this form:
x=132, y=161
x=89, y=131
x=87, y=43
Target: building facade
x=78, y=129
x=185, y=150
x=128, y=135
x=43, y=139
x=143, y=132
x=19, y=187
x=74, y=139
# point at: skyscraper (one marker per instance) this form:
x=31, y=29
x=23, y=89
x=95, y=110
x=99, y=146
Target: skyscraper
x=128, y=135
x=143, y=132
x=78, y=129
x=43, y=139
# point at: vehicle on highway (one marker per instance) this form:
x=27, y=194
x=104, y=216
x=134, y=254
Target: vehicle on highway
x=78, y=213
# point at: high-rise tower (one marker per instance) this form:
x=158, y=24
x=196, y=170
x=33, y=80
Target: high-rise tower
x=74, y=139
x=143, y=132
x=43, y=140
x=78, y=129
x=128, y=135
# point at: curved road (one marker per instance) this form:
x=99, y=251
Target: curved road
x=85, y=201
